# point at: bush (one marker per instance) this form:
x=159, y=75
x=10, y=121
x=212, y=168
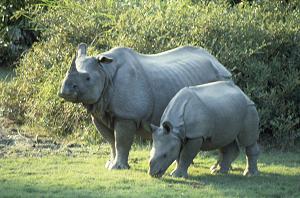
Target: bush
x=17, y=32
x=258, y=42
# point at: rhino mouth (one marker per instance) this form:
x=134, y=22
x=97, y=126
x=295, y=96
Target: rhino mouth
x=157, y=174
x=73, y=100
x=69, y=97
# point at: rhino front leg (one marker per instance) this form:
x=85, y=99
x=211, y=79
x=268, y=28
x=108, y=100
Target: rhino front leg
x=108, y=135
x=187, y=154
x=124, y=134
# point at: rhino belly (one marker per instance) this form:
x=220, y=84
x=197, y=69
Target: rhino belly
x=218, y=142
x=223, y=133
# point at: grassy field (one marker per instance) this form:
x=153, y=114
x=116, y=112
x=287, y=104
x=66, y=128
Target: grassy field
x=80, y=172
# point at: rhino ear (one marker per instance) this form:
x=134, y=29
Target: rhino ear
x=149, y=127
x=153, y=127
x=167, y=127
x=82, y=50
x=104, y=59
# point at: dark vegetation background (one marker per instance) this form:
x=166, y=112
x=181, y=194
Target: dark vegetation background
x=16, y=30
x=259, y=41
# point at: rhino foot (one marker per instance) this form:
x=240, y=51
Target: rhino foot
x=250, y=173
x=213, y=167
x=108, y=163
x=179, y=173
x=218, y=170
x=118, y=166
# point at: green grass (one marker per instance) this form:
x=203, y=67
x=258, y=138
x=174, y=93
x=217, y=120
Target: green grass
x=82, y=174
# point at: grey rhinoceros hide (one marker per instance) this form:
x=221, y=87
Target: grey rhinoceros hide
x=204, y=117
x=122, y=88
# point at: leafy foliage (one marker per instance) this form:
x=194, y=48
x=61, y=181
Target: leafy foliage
x=258, y=42
x=17, y=32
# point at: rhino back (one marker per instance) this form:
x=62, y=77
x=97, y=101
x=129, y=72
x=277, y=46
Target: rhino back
x=183, y=54
x=170, y=71
x=144, y=84
x=215, y=112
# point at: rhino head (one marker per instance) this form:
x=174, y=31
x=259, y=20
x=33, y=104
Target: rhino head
x=85, y=80
x=165, y=149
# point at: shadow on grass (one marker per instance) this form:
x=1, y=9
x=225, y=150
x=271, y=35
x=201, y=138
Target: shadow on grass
x=15, y=189
x=268, y=158
x=266, y=184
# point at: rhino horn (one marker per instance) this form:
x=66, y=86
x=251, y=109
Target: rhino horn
x=82, y=50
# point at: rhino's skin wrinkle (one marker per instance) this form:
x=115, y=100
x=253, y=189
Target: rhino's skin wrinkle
x=211, y=116
x=140, y=87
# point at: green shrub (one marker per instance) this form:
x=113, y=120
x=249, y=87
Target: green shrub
x=258, y=42
x=17, y=32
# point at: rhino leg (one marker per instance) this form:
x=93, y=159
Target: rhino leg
x=124, y=134
x=187, y=154
x=216, y=165
x=252, y=153
x=108, y=135
x=228, y=154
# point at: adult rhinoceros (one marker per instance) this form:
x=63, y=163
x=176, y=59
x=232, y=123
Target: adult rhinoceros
x=124, y=90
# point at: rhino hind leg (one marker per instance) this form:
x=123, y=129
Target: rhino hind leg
x=124, y=135
x=227, y=155
x=252, y=153
x=248, y=138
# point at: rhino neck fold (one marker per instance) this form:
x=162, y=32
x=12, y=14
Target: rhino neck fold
x=100, y=109
x=181, y=137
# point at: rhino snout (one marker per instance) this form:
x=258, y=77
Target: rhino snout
x=68, y=96
x=155, y=169
x=156, y=174
x=69, y=93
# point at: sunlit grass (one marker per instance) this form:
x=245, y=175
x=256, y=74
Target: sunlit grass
x=82, y=174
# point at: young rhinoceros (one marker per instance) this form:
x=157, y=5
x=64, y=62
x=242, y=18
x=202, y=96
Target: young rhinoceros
x=216, y=115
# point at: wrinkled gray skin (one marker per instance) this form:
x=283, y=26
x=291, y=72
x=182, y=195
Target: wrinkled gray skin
x=212, y=116
x=124, y=90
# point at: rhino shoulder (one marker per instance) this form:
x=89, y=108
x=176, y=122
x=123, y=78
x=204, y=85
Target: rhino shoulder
x=176, y=107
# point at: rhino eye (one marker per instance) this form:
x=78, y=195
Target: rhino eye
x=164, y=155
x=88, y=78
